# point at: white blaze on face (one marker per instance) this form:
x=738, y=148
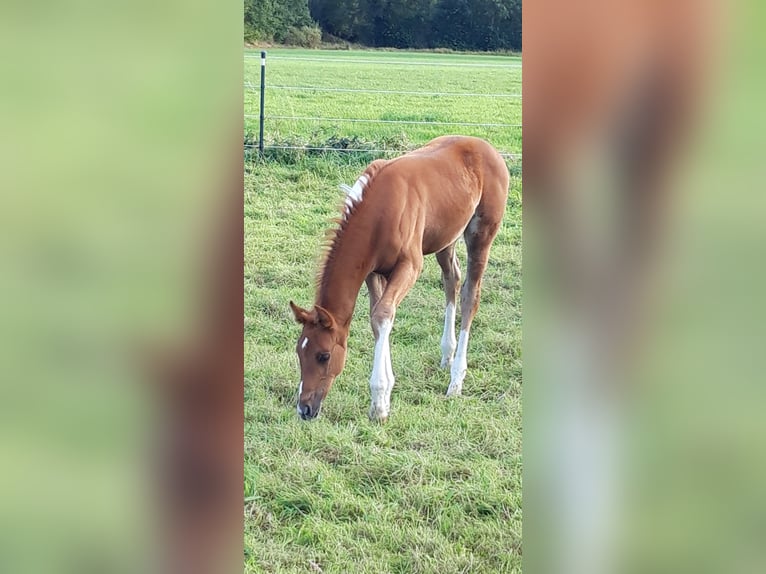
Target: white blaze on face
x=300, y=387
x=298, y=402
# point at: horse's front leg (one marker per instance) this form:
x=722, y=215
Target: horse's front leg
x=400, y=281
x=382, y=378
x=379, y=383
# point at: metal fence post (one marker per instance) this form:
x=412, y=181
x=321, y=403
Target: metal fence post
x=263, y=91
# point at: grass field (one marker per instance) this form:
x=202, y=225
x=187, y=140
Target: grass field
x=438, y=487
x=497, y=78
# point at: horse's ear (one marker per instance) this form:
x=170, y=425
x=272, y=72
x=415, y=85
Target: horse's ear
x=301, y=315
x=324, y=317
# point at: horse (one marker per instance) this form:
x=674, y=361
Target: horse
x=397, y=212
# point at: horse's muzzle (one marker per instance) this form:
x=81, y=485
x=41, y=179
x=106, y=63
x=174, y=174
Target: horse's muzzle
x=308, y=411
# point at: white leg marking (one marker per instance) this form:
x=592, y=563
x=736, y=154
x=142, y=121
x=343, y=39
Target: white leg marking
x=448, y=338
x=582, y=431
x=588, y=458
x=305, y=342
x=389, y=378
x=459, y=366
x=382, y=379
x=298, y=402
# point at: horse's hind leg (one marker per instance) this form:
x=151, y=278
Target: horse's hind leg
x=451, y=280
x=478, y=239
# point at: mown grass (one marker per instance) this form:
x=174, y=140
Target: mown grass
x=435, y=489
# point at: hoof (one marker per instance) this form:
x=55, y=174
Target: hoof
x=454, y=390
x=377, y=415
x=456, y=381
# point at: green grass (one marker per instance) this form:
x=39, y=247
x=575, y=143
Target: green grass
x=352, y=70
x=435, y=489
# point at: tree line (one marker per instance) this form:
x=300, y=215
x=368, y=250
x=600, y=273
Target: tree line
x=457, y=24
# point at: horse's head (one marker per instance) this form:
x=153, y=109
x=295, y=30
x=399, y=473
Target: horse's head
x=321, y=351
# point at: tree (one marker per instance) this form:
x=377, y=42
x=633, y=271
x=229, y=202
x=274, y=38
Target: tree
x=478, y=24
x=457, y=24
x=270, y=20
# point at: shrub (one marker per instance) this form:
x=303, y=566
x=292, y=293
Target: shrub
x=305, y=36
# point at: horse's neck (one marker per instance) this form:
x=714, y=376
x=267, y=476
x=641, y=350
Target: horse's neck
x=341, y=281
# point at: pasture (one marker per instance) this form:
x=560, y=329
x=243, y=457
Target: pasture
x=438, y=487
x=493, y=82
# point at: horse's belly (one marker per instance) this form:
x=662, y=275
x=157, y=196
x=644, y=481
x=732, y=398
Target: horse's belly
x=437, y=238
x=443, y=226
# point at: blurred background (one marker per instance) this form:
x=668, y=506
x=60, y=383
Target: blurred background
x=121, y=127
x=644, y=248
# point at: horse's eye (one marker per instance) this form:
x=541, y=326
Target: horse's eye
x=323, y=357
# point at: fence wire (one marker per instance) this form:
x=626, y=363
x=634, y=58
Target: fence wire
x=512, y=156
x=392, y=62
x=374, y=121
x=253, y=88
x=332, y=89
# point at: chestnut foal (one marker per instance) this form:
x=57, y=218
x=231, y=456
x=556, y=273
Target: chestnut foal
x=398, y=211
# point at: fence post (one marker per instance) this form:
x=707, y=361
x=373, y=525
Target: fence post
x=263, y=91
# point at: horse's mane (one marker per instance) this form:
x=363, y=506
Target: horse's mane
x=348, y=208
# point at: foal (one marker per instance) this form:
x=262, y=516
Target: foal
x=397, y=212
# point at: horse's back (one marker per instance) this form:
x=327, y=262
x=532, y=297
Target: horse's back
x=450, y=165
x=477, y=168
x=430, y=194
